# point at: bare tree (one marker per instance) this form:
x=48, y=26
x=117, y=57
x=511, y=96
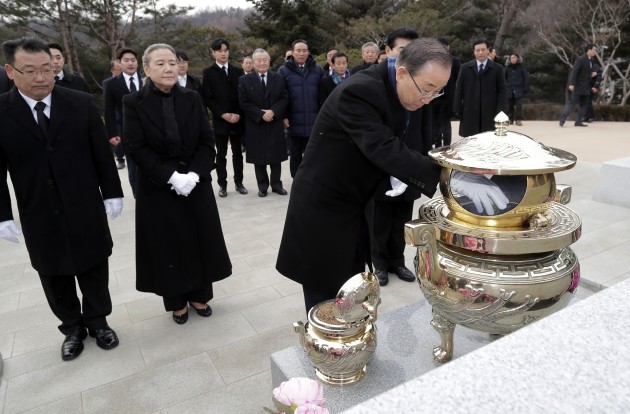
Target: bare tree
x=599, y=22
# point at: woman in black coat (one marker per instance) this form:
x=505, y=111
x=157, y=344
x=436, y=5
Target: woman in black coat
x=180, y=248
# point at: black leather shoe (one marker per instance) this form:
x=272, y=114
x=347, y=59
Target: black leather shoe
x=205, y=312
x=584, y=125
x=241, y=188
x=73, y=344
x=106, y=338
x=561, y=123
x=262, y=194
x=280, y=191
x=404, y=274
x=181, y=319
x=382, y=276
x=222, y=192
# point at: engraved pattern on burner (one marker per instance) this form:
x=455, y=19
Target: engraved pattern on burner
x=492, y=152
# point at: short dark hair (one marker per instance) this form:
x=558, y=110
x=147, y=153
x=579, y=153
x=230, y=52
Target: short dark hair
x=295, y=42
x=121, y=52
x=444, y=40
x=181, y=55
x=515, y=54
x=480, y=41
x=401, y=33
x=589, y=47
x=27, y=44
x=217, y=43
x=422, y=51
x=55, y=46
x=338, y=55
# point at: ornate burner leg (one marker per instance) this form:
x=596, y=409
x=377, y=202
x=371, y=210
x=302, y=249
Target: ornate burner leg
x=445, y=328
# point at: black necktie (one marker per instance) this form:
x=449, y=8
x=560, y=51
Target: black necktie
x=132, y=85
x=225, y=70
x=42, y=119
x=56, y=78
x=481, y=68
x=262, y=82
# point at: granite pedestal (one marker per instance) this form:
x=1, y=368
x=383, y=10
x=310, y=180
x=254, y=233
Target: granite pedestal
x=573, y=361
x=613, y=176
x=404, y=351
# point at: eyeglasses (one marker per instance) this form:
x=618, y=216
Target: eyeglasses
x=47, y=73
x=425, y=94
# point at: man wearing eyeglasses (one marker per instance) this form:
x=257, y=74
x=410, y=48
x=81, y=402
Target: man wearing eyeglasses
x=54, y=145
x=358, y=140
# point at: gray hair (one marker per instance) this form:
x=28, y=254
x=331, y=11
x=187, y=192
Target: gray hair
x=146, y=56
x=422, y=51
x=260, y=51
x=369, y=44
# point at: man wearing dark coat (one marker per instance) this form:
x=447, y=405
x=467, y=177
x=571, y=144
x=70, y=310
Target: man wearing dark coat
x=302, y=75
x=263, y=99
x=357, y=140
x=114, y=89
x=63, y=78
x=220, y=92
x=53, y=144
x=5, y=83
x=580, y=86
x=480, y=93
x=184, y=78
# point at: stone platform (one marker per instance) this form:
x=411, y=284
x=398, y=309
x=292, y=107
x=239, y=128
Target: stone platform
x=403, y=353
x=612, y=185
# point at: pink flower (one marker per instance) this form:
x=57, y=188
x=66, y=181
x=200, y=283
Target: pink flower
x=298, y=391
x=311, y=409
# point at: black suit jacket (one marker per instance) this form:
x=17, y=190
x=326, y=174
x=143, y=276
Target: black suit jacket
x=113, y=91
x=220, y=92
x=581, y=76
x=5, y=83
x=75, y=82
x=60, y=180
x=479, y=97
x=352, y=147
x=195, y=84
x=265, y=140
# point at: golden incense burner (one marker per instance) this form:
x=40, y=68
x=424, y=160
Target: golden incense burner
x=340, y=335
x=497, y=272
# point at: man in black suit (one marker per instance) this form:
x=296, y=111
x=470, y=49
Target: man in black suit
x=53, y=144
x=580, y=86
x=480, y=92
x=63, y=78
x=263, y=98
x=185, y=79
x=220, y=92
x=113, y=91
x=357, y=139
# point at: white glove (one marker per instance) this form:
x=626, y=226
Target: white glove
x=183, y=184
x=9, y=231
x=398, y=187
x=482, y=191
x=113, y=206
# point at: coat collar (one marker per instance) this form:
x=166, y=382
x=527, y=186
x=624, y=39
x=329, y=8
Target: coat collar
x=150, y=103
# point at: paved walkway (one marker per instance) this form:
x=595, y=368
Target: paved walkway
x=221, y=364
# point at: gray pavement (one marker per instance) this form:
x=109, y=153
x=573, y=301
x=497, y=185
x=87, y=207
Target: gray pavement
x=221, y=364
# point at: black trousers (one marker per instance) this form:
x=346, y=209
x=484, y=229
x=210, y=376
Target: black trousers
x=313, y=296
x=297, y=145
x=515, y=108
x=388, y=233
x=221, y=142
x=263, y=178
x=61, y=294
x=442, y=130
x=120, y=154
x=575, y=98
x=175, y=303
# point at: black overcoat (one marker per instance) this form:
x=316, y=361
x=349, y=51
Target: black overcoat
x=72, y=81
x=479, y=97
x=60, y=180
x=581, y=76
x=179, y=240
x=265, y=140
x=220, y=93
x=352, y=147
